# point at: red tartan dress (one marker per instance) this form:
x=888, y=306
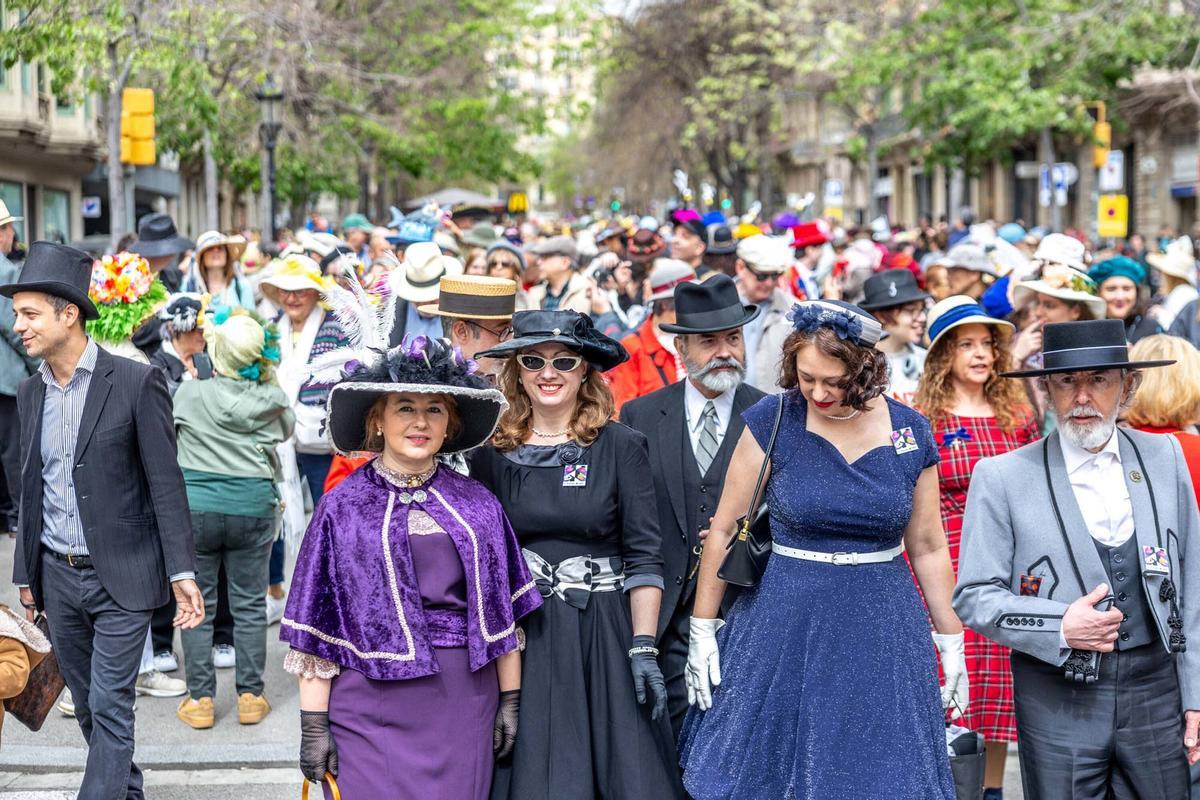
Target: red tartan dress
x=991, y=708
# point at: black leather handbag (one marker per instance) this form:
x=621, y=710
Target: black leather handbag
x=747, y=553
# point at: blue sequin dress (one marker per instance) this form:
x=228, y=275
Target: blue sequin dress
x=829, y=684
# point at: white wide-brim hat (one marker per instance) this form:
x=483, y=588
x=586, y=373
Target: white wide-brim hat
x=954, y=312
x=1058, y=248
x=417, y=279
x=1179, y=260
x=1066, y=284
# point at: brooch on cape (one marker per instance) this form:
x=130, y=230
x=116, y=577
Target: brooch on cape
x=419, y=496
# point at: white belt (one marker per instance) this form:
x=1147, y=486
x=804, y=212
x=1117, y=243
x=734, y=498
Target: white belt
x=839, y=559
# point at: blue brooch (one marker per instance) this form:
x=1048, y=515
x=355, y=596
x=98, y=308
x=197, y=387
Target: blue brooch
x=807, y=319
x=955, y=438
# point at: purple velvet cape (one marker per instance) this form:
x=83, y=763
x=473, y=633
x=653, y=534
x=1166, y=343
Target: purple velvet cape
x=354, y=598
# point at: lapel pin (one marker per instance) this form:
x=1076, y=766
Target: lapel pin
x=1135, y=476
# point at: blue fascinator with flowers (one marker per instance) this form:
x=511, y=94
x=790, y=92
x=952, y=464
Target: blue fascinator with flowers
x=847, y=321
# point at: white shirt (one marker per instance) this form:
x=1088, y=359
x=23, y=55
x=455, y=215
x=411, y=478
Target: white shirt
x=693, y=406
x=1098, y=481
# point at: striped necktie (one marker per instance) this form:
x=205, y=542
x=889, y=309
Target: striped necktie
x=709, y=443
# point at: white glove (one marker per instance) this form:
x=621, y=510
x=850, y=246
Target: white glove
x=704, y=662
x=956, y=692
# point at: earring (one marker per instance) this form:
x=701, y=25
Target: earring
x=379, y=431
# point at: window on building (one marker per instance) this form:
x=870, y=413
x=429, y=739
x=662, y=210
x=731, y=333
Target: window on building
x=56, y=214
x=13, y=195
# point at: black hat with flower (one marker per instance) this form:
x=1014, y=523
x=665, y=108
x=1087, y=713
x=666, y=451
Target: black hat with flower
x=369, y=369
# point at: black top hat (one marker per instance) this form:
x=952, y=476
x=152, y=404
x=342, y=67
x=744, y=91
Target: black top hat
x=1083, y=347
x=157, y=237
x=892, y=287
x=710, y=306
x=58, y=270
x=568, y=328
x=720, y=241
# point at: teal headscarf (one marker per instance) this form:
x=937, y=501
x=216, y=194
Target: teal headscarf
x=1118, y=267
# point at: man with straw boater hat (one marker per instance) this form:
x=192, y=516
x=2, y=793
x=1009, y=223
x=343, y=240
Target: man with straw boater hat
x=476, y=313
x=1080, y=552
x=692, y=426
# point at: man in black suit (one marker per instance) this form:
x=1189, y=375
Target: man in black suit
x=105, y=534
x=692, y=426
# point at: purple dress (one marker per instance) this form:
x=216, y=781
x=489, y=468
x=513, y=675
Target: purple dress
x=427, y=737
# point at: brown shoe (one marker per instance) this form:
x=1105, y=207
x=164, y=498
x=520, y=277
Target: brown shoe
x=196, y=713
x=252, y=708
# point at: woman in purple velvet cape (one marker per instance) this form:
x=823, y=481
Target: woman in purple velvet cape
x=402, y=616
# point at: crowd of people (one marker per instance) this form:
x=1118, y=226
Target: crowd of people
x=513, y=462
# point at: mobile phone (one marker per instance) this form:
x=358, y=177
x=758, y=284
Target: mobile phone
x=203, y=365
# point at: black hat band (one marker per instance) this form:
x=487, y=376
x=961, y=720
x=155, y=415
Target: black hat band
x=728, y=317
x=431, y=282
x=1086, y=358
x=473, y=305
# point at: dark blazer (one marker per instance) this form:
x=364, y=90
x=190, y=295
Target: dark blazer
x=400, y=322
x=661, y=417
x=128, y=485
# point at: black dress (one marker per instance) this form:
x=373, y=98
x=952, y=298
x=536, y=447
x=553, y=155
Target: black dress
x=581, y=732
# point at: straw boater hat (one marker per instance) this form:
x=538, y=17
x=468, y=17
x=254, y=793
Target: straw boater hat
x=1179, y=260
x=474, y=297
x=417, y=279
x=955, y=311
x=370, y=369
x=1084, y=346
x=1065, y=283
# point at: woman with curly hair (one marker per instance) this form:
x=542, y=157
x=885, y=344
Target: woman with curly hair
x=830, y=653
x=975, y=414
x=578, y=490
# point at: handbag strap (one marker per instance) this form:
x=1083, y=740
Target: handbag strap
x=762, y=471
x=333, y=787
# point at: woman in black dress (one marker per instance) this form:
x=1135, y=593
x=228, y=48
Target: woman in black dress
x=578, y=491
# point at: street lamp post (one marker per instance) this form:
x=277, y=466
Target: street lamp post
x=270, y=99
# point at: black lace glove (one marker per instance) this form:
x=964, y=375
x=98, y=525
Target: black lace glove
x=318, y=753
x=504, y=734
x=647, y=675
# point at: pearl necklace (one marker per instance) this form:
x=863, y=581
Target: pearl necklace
x=548, y=434
x=844, y=417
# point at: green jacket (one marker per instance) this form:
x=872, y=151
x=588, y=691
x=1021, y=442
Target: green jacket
x=230, y=427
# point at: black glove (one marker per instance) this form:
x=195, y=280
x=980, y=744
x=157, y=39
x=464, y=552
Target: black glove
x=318, y=753
x=646, y=674
x=504, y=733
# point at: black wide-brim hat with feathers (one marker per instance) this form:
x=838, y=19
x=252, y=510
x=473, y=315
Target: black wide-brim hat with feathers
x=368, y=369
x=419, y=366
x=568, y=328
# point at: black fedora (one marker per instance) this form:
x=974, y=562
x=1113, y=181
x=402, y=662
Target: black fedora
x=58, y=270
x=568, y=328
x=710, y=306
x=1094, y=344
x=892, y=287
x=157, y=237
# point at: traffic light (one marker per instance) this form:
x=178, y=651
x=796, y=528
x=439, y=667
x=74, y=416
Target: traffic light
x=137, y=127
x=615, y=205
x=726, y=204
x=1101, y=143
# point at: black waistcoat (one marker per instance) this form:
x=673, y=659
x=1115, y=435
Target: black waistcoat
x=1124, y=570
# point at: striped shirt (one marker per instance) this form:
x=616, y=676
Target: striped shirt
x=62, y=530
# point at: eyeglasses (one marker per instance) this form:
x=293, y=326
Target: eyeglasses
x=1095, y=381
x=503, y=334
x=502, y=263
x=535, y=363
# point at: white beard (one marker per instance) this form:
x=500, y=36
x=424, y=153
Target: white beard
x=1091, y=436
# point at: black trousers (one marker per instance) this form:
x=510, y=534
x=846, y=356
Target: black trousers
x=99, y=647
x=672, y=659
x=1119, y=738
x=10, y=463
x=162, y=633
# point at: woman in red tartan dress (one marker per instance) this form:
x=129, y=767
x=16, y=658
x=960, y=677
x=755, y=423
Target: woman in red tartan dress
x=975, y=414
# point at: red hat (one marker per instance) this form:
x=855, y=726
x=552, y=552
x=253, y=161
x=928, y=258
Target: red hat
x=808, y=234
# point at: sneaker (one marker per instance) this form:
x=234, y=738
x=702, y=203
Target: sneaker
x=275, y=606
x=252, y=708
x=196, y=713
x=66, y=704
x=155, y=684
x=166, y=661
x=224, y=656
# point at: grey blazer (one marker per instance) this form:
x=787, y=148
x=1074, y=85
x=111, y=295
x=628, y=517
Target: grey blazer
x=1010, y=531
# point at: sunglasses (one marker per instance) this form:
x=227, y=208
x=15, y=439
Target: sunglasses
x=535, y=363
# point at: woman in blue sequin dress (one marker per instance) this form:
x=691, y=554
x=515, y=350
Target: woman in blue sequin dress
x=827, y=682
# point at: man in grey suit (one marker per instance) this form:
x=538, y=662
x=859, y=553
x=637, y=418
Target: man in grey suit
x=104, y=522
x=1080, y=552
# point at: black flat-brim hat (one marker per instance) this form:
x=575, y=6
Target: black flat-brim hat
x=1086, y=346
x=479, y=412
x=892, y=287
x=710, y=306
x=568, y=328
x=157, y=237
x=58, y=270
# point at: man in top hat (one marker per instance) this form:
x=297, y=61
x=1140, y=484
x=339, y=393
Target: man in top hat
x=415, y=283
x=106, y=535
x=760, y=262
x=893, y=298
x=476, y=314
x=15, y=365
x=653, y=362
x=1080, y=552
x=692, y=427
